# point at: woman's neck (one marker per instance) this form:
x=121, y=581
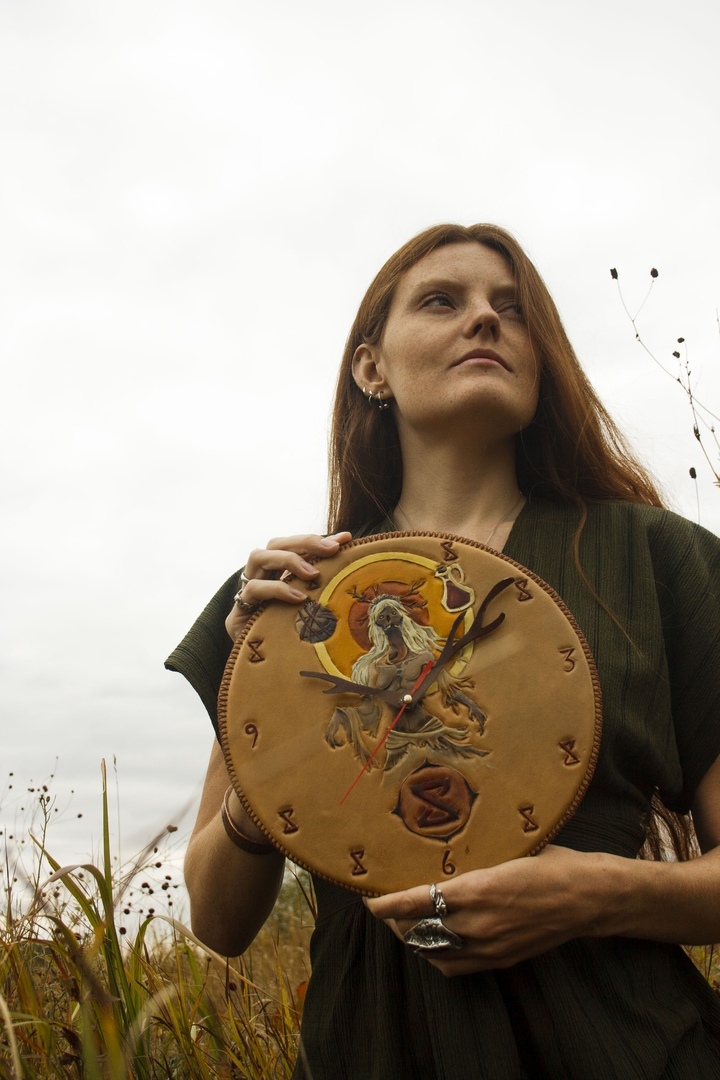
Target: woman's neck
x=457, y=492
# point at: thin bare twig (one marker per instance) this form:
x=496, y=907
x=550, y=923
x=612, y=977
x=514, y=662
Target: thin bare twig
x=696, y=406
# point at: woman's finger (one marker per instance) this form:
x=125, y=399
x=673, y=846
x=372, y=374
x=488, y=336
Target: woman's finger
x=311, y=543
x=260, y=590
x=265, y=563
x=289, y=552
x=253, y=594
x=411, y=904
x=270, y=574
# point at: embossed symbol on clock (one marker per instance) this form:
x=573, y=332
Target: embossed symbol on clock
x=457, y=595
x=256, y=657
x=522, y=587
x=358, y=866
x=315, y=622
x=571, y=757
x=568, y=655
x=289, y=823
x=529, y=824
x=435, y=801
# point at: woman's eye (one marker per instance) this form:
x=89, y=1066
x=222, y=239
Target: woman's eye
x=437, y=300
x=512, y=307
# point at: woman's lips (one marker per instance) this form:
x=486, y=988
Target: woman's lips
x=482, y=354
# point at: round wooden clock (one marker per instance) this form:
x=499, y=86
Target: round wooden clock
x=432, y=708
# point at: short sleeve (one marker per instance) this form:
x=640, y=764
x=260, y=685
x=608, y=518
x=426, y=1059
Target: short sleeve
x=203, y=653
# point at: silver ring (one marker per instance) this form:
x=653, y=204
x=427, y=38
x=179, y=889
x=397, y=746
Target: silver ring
x=244, y=579
x=438, y=901
x=245, y=607
x=432, y=936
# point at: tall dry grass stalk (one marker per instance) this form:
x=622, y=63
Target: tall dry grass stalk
x=93, y=987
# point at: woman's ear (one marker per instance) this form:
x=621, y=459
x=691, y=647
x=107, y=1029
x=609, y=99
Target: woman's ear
x=365, y=371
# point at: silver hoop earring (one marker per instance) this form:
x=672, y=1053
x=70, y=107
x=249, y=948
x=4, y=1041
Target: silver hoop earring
x=375, y=396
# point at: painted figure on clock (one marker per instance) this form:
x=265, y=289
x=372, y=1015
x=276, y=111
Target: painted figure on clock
x=400, y=648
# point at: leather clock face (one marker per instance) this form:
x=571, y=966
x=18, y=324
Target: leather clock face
x=431, y=709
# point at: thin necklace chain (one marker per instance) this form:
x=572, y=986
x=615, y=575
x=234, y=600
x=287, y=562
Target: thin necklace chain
x=507, y=516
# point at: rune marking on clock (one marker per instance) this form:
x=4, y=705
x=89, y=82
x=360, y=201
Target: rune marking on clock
x=522, y=587
x=290, y=826
x=357, y=856
x=529, y=822
x=256, y=656
x=568, y=745
x=450, y=554
x=435, y=801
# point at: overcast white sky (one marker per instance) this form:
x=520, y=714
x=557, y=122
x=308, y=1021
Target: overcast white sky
x=194, y=196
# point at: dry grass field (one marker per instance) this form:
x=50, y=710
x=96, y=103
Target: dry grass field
x=99, y=982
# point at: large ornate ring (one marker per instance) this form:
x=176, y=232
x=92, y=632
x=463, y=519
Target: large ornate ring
x=432, y=936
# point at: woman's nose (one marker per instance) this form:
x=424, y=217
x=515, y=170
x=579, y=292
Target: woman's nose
x=482, y=320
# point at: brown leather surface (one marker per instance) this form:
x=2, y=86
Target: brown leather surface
x=486, y=767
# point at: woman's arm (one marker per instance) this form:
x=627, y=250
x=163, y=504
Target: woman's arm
x=231, y=892
x=521, y=908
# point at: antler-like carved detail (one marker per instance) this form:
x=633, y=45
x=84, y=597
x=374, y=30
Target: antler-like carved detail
x=345, y=686
x=477, y=630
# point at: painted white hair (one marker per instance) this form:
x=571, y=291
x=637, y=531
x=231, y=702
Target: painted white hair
x=417, y=638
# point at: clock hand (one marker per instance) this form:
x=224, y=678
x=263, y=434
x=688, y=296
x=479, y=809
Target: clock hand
x=344, y=686
x=453, y=647
x=406, y=702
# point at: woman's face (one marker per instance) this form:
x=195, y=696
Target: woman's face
x=455, y=345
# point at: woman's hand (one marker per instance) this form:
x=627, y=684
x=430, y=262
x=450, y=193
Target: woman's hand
x=522, y=908
x=266, y=568
x=513, y=911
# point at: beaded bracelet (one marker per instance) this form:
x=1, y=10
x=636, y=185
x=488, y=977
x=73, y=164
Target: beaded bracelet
x=238, y=838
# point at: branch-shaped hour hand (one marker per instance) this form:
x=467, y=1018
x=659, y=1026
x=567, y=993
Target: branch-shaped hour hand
x=453, y=647
x=345, y=686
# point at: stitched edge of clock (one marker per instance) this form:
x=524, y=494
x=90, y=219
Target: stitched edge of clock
x=376, y=538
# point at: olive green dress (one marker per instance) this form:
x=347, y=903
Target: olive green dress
x=593, y=1009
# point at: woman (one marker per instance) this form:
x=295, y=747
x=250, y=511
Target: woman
x=461, y=408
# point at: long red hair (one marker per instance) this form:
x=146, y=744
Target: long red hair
x=571, y=451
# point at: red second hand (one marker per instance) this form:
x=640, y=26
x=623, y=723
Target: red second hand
x=405, y=704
